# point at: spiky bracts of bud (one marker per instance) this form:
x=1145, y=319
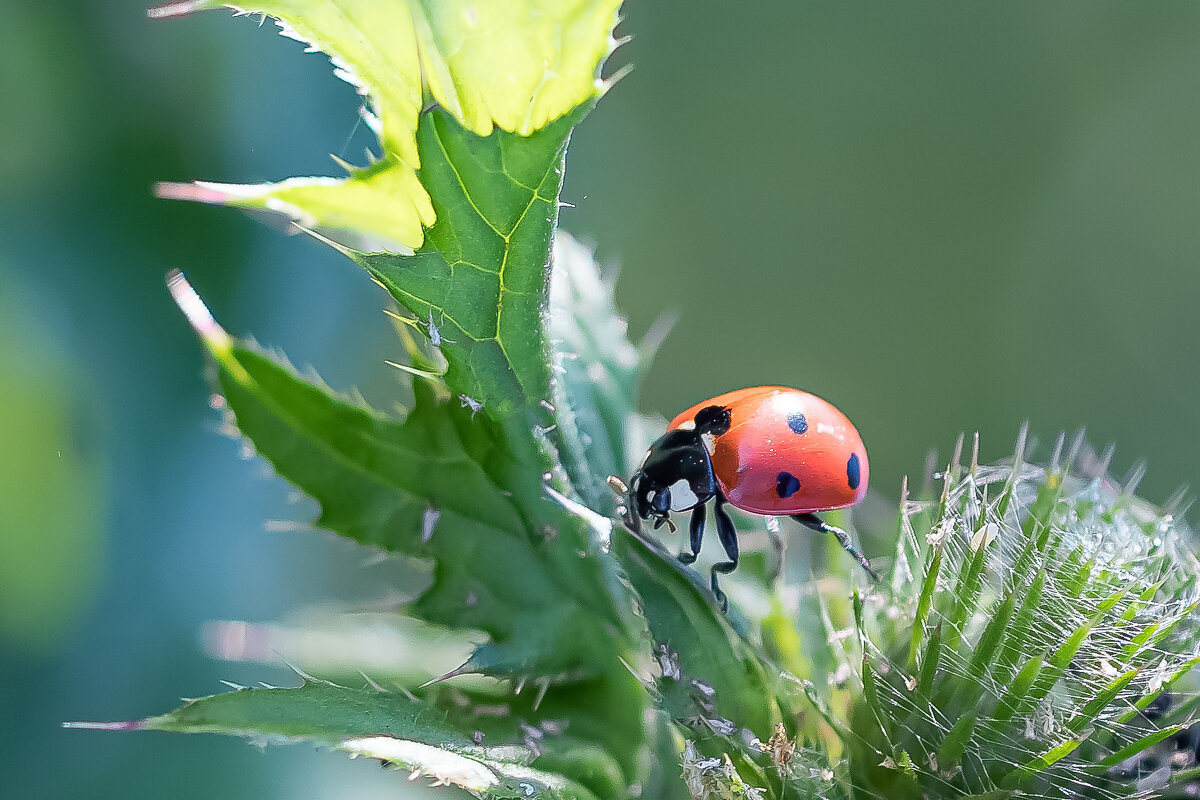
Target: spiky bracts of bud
x=1033, y=617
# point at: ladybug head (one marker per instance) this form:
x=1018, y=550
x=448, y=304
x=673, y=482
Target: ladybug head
x=647, y=498
x=676, y=474
x=714, y=420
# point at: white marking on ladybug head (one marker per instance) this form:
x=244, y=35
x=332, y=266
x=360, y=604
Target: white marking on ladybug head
x=682, y=496
x=710, y=442
x=689, y=425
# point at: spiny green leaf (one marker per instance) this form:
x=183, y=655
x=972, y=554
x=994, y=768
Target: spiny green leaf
x=481, y=279
x=1145, y=597
x=317, y=711
x=985, y=648
x=1144, y=743
x=397, y=54
x=952, y=747
x=379, y=481
x=1016, y=692
x=588, y=730
x=929, y=663
x=1057, y=664
x=544, y=599
x=479, y=287
x=416, y=487
x=1042, y=762
x=1087, y=715
x=1017, y=639
x=697, y=644
x=1073, y=573
x=391, y=727
x=966, y=592
x=924, y=602
x=379, y=206
x=713, y=686
x=596, y=372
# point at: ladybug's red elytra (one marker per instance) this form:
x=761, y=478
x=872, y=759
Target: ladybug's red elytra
x=766, y=450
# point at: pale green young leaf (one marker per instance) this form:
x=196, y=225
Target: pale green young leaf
x=398, y=55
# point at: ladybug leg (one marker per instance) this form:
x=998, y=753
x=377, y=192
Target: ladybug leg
x=727, y=533
x=779, y=545
x=813, y=522
x=696, y=531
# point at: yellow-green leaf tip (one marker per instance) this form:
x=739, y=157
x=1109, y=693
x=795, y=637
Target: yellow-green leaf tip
x=517, y=65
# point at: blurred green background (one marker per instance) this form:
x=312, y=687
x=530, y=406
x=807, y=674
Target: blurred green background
x=942, y=216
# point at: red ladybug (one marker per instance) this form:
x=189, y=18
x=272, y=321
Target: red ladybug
x=766, y=450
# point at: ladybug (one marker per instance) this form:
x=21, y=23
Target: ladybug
x=766, y=450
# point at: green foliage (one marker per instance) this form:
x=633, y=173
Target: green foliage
x=51, y=542
x=596, y=375
x=1032, y=616
x=403, y=55
x=1050, y=608
x=388, y=726
x=420, y=487
x=480, y=280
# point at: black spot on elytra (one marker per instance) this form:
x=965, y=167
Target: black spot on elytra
x=786, y=484
x=713, y=419
x=853, y=474
x=797, y=422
